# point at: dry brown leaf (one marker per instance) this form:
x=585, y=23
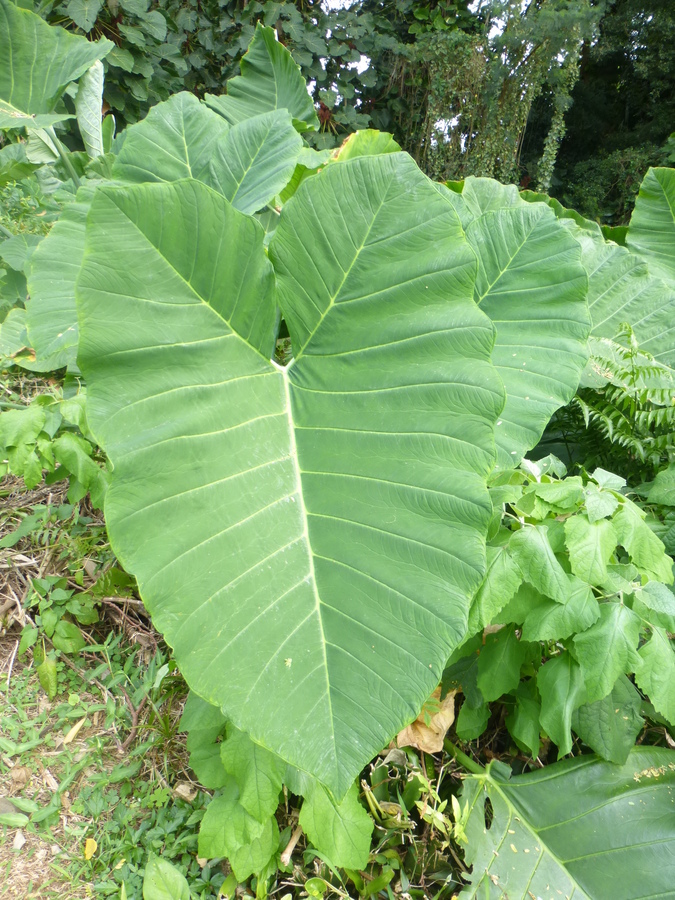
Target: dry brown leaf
x=428, y=731
x=72, y=734
x=20, y=776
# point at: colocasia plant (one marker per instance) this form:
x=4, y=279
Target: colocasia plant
x=312, y=538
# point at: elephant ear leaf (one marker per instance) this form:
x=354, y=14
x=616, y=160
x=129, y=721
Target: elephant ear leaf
x=620, y=287
x=579, y=827
x=308, y=539
x=37, y=62
x=270, y=79
x=651, y=233
x=532, y=285
x=175, y=140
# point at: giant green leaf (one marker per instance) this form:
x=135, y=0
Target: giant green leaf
x=51, y=316
x=37, y=62
x=582, y=828
x=175, y=140
x=88, y=103
x=620, y=287
x=532, y=285
x=254, y=160
x=651, y=233
x=308, y=539
x=270, y=79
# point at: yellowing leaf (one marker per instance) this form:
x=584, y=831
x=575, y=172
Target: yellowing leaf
x=428, y=731
x=90, y=847
x=72, y=734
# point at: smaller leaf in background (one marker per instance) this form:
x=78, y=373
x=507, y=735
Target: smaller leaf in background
x=205, y=725
x=502, y=579
x=563, y=495
x=84, y=12
x=608, y=480
x=257, y=772
x=561, y=688
x=428, y=730
x=47, y=676
x=14, y=164
x=599, y=504
x=531, y=549
x=162, y=881
x=500, y=662
x=608, y=649
x=549, y=620
x=590, y=546
x=523, y=721
x=610, y=726
x=175, y=140
x=18, y=250
x=472, y=721
x=270, y=79
x=644, y=548
x=663, y=487
x=365, y=143
x=254, y=161
x=67, y=637
x=651, y=233
x=656, y=675
x=656, y=603
x=341, y=831
x=88, y=105
x=228, y=830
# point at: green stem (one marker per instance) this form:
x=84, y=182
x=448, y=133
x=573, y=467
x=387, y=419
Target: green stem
x=462, y=758
x=64, y=156
x=5, y=231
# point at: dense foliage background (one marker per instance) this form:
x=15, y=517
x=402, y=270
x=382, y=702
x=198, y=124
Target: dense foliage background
x=569, y=96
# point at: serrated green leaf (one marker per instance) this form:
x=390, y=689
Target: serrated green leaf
x=610, y=726
x=270, y=79
x=583, y=822
x=561, y=687
x=472, y=721
x=341, y=832
x=608, y=649
x=258, y=773
x=643, y=546
x=501, y=581
x=656, y=674
x=563, y=495
x=500, y=661
x=162, y=881
x=228, y=830
x=663, y=488
x=531, y=549
x=608, y=480
x=656, y=603
x=549, y=620
x=523, y=721
x=590, y=546
x=599, y=504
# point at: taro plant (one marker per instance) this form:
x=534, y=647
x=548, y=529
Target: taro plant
x=316, y=537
